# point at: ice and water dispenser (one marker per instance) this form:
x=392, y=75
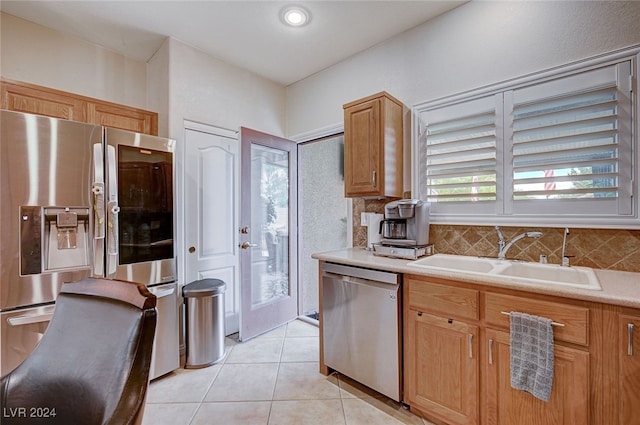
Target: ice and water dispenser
x=53, y=238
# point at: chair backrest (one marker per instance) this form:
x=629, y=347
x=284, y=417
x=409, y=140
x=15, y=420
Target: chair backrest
x=92, y=364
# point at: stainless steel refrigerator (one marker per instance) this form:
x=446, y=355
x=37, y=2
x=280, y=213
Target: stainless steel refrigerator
x=79, y=200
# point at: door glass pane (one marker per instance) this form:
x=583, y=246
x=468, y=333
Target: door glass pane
x=270, y=224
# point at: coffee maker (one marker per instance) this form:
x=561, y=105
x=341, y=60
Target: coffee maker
x=405, y=229
x=406, y=223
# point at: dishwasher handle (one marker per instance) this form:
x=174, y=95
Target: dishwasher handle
x=350, y=280
x=362, y=273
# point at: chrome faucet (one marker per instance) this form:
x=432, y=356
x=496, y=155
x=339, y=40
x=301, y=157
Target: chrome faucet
x=565, y=258
x=504, y=246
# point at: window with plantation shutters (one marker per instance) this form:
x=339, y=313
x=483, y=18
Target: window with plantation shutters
x=570, y=145
x=557, y=147
x=459, y=154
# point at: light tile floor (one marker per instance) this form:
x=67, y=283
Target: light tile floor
x=270, y=380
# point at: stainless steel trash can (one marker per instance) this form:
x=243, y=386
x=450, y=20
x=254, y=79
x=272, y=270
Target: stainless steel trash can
x=204, y=322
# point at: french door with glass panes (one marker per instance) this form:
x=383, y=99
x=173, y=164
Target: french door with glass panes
x=268, y=232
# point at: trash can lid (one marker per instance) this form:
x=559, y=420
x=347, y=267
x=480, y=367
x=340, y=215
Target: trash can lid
x=203, y=288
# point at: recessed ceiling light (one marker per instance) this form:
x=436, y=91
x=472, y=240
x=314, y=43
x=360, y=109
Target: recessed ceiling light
x=295, y=16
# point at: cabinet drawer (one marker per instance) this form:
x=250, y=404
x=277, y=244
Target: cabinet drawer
x=575, y=319
x=443, y=299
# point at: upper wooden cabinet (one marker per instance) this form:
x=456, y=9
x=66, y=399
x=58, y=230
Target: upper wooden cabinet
x=30, y=98
x=373, y=144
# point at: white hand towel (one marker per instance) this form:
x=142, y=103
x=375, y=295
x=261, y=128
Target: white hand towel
x=532, y=356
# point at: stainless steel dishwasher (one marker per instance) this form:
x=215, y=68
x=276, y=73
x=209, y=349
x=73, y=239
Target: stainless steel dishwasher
x=361, y=321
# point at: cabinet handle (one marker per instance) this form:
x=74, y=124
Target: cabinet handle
x=470, y=346
x=490, y=351
x=373, y=178
x=506, y=313
x=630, y=339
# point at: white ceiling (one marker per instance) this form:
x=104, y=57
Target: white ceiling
x=247, y=34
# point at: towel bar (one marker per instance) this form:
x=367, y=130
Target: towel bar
x=552, y=323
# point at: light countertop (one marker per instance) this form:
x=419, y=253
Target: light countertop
x=618, y=288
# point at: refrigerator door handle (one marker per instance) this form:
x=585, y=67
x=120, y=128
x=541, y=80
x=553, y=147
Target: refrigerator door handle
x=112, y=229
x=99, y=211
x=98, y=192
x=112, y=213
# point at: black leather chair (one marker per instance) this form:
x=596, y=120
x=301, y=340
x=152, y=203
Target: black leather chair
x=92, y=365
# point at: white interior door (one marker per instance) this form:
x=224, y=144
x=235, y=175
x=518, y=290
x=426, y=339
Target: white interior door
x=211, y=186
x=268, y=233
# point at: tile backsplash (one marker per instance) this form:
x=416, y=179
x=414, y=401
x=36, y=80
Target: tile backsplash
x=614, y=249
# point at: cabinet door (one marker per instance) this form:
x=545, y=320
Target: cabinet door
x=363, y=149
x=569, y=403
x=122, y=117
x=629, y=370
x=441, y=369
x=50, y=103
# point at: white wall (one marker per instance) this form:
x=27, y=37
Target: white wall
x=477, y=44
x=34, y=54
x=207, y=90
x=158, y=87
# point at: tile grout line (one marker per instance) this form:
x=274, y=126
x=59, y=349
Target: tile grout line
x=275, y=384
x=222, y=364
x=336, y=375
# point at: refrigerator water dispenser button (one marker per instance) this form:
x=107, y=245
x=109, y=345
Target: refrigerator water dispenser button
x=67, y=219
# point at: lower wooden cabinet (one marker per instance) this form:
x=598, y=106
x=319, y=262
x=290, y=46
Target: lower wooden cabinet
x=625, y=376
x=442, y=368
x=457, y=358
x=569, y=403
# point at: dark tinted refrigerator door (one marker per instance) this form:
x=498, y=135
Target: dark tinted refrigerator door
x=141, y=206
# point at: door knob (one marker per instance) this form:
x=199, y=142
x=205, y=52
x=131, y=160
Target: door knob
x=192, y=249
x=246, y=245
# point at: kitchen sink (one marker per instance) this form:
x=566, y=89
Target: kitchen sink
x=581, y=277
x=513, y=271
x=456, y=263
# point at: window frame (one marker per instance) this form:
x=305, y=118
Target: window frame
x=503, y=211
